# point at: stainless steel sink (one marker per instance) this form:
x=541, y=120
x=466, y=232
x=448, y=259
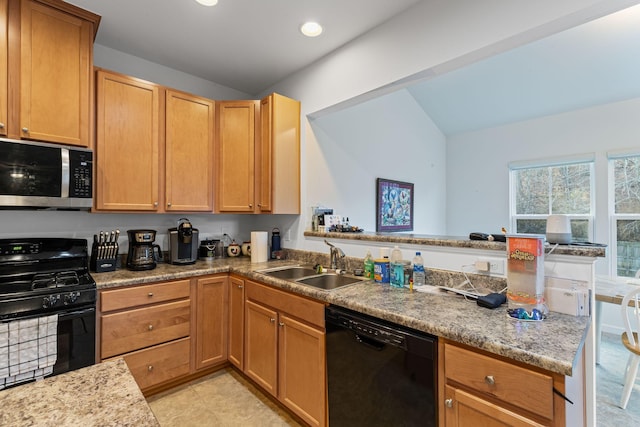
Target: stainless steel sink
x=290, y=272
x=307, y=275
x=329, y=281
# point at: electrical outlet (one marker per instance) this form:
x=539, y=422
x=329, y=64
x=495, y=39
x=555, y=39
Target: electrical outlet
x=495, y=266
x=287, y=236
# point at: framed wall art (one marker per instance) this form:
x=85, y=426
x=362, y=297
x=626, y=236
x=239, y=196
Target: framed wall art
x=394, y=205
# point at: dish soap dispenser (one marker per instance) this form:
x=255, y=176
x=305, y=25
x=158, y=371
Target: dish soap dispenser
x=368, y=266
x=397, y=269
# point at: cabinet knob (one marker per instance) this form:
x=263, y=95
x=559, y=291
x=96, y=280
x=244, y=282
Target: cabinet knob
x=272, y=320
x=169, y=204
x=150, y=294
x=155, y=204
x=150, y=368
x=281, y=323
x=489, y=380
x=151, y=327
x=250, y=205
x=448, y=403
x=240, y=286
x=25, y=130
x=1, y=125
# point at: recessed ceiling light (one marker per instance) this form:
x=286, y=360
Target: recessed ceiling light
x=311, y=29
x=208, y=2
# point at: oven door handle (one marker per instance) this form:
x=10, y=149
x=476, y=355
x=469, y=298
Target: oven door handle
x=75, y=314
x=62, y=315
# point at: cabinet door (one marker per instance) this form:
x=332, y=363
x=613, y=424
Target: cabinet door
x=465, y=409
x=55, y=77
x=4, y=51
x=235, y=156
x=127, y=145
x=211, y=324
x=261, y=346
x=189, y=152
x=302, y=377
x=279, y=183
x=236, y=321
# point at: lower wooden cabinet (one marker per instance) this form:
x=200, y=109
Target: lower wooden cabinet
x=160, y=363
x=285, y=349
x=236, y=322
x=211, y=321
x=484, y=389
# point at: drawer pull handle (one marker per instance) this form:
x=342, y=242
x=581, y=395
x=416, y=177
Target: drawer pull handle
x=449, y=403
x=151, y=327
x=490, y=380
x=150, y=368
x=150, y=294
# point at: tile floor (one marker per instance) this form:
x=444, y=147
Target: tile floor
x=221, y=399
x=609, y=383
x=226, y=399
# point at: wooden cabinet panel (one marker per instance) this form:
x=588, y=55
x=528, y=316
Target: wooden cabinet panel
x=472, y=411
x=160, y=363
x=189, y=145
x=503, y=380
x=120, y=298
x=135, y=329
x=4, y=64
x=211, y=324
x=235, y=167
x=236, y=322
x=127, y=143
x=279, y=177
x=300, y=307
x=261, y=346
x=301, y=381
x=55, y=79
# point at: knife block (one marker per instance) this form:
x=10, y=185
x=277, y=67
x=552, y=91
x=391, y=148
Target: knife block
x=104, y=257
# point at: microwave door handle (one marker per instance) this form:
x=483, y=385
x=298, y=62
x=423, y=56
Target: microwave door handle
x=65, y=172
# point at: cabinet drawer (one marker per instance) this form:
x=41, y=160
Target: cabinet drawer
x=117, y=299
x=136, y=329
x=302, y=308
x=161, y=363
x=516, y=385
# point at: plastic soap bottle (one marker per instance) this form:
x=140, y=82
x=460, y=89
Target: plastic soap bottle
x=397, y=269
x=418, y=270
x=368, y=266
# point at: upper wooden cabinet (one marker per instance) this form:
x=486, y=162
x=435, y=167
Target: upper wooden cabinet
x=235, y=156
x=4, y=48
x=50, y=60
x=154, y=147
x=258, y=173
x=127, y=143
x=279, y=177
x=189, y=152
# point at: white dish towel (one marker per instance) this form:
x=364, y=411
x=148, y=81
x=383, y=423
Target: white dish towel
x=28, y=349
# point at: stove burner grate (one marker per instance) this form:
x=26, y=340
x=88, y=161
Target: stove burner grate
x=54, y=280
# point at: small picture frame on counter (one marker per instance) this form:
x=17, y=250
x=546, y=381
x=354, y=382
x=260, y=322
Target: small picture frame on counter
x=394, y=205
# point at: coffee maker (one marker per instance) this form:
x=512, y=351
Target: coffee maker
x=143, y=254
x=183, y=241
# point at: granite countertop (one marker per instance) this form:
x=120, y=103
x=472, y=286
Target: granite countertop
x=595, y=250
x=551, y=344
x=100, y=395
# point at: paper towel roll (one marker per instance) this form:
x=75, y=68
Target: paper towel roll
x=259, y=246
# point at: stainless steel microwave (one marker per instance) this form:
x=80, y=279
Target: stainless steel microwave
x=42, y=175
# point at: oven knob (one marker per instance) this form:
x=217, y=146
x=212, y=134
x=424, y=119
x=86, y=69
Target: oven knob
x=70, y=298
x=50, y=301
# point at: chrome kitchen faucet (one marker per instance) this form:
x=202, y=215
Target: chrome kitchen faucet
x=334, y=254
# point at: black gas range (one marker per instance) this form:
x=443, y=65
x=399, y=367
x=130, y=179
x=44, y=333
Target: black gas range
x=49, y=277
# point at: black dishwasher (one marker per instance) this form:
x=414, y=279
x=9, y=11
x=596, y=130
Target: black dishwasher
x=379, y=373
